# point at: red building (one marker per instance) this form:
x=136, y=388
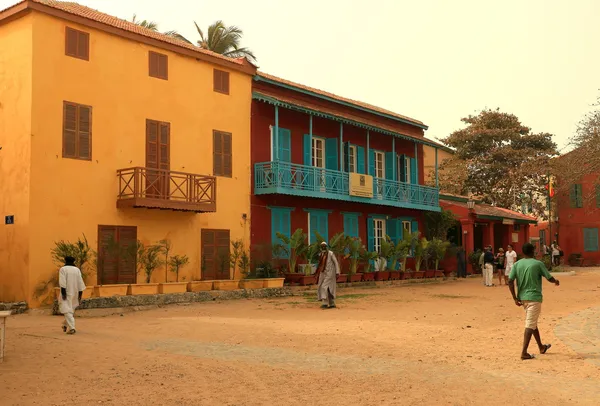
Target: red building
x=578, y=213
x=337, y=165
x=483, y=225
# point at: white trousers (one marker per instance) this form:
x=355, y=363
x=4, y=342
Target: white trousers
x=69, y=321
x=488, y=274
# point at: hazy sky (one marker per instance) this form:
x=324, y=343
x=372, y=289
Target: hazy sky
x=434, y=60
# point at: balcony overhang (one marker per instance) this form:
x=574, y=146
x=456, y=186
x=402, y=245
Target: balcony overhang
x=306, y=181
x=166, y=190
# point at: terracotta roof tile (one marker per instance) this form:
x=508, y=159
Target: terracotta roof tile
x=94, y=15
x=332, y=112
x=339, y=98
x=487, y=210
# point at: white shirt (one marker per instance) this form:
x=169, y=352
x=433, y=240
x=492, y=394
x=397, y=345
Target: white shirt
x=511, y=258
x=69, y=278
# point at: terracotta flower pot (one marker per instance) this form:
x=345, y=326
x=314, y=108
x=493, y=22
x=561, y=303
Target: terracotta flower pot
x=172, y=287
x=438, y=274
x=447, y=273
x=307, y=280
x=252, y=283
x=199, y=286
x=429, y=274
x=418, y=275
x=382, y=275
x=357, y=277
x=143, y=289
x=342, y=278
x=110, y=290
x=226, y=285
x=293, y=278
x=404, y=275
x=394, y=275
x=368, y=277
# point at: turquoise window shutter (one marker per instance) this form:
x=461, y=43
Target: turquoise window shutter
x=414, y=226
x=413, y=172
x=391, y=228
x=331, y=154
x=307, y=150
x=371, y=162
x=389, y=165
x=402, y=173
x=346, y=156
x=314, y=224
x=579, y=196
x=351, y=225
x=285, y=145
x=280, y=222
x=360, y=160
x=318, y=224
x=590, y=239
x=323, y=226
x=370, y=234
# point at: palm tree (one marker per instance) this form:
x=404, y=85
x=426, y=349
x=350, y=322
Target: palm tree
x=224, y=40
x=151, y=25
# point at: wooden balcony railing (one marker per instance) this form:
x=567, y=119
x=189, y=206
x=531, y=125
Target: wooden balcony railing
x=167, y=190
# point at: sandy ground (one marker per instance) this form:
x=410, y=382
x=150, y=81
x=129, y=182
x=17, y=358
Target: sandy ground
x=454, y=343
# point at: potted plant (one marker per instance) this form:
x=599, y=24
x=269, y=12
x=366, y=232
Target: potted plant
x=250, y=280
x=392, y=260
x=381, y=263
x=402, y=250
x=176, y=262
x=200, y=286
x=438, y=249
x=293, y=248
x=367, y=258
x=420, y=246
x=223, y=263
x=354, y=247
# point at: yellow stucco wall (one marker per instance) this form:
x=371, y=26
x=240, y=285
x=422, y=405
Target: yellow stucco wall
x=72, y=197
x=15, y=140
x=429, y=162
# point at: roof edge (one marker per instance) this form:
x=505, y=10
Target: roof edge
x=20, y=9
x=260, y=78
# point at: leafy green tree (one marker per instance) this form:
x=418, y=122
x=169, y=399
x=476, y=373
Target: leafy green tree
x=224, y=40
x=294, y=247
x=176, y=262
x=499, y=160
x=153, y=26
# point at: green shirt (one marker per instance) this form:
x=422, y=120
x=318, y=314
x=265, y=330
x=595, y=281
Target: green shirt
x=528, y=273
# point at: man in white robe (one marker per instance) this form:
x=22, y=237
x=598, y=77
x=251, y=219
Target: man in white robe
x=327, y=272
x=71, y=289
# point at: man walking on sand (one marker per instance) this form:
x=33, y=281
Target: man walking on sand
x=488, y=267
x=71, y=289
x=327, y=272
x=528, y=273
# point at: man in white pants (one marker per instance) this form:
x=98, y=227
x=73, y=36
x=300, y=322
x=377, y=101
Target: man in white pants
x=71, y=289
x=488, y=267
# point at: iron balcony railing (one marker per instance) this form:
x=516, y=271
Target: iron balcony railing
x=301, y=180
x=164, y=189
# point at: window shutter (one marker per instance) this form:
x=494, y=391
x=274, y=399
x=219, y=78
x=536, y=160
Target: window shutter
x=127, y=241
x=152, y=64
x=314, y=224
x=360, y=160
x=324, y=226
x=220, y=81
x=372, y=162
x=307, y=150
x=225, y=82
x=85, y=133
x=70, y=130
x=391, y=228
x=163, y=66
x=402, y=174
x=579, y=195
x=597, y=195
x=284, y=143
x=351, y=225
x=164, y=146
x=389, y=165
x=71, y=37
x=217, y=153
x=370, y=235
x=331, y=154
x=83, y=45
x=227, y=155
x=590, y=239
x=413, y=172
x=573, y=196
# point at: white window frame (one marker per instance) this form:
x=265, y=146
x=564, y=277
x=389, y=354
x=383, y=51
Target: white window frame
x=378, y=225
x=379, y=157
x=405, y=228
x=314, y=149
x=352, y=159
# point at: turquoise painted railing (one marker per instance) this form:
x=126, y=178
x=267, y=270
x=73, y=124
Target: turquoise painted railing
x=300, y=180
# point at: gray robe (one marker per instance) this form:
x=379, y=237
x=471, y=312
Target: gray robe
x=328, y=277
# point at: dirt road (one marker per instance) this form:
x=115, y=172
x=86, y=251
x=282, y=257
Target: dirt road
x=456, y=343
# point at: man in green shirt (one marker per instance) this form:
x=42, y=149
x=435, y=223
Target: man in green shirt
x=528, y=273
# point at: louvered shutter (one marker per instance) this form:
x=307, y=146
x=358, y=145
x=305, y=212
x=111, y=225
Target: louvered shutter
x=70, y=130
x=84, y=136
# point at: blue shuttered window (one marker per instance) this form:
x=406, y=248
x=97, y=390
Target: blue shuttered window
x=331, y=153
x=307, y=149
x=370, y=234
x=280, y=222
x=391, y=228
x=351, y=224
x=284, y=145
x=371, y=162
x=413, y=172
x=318, y=223
x=389, y=165
x=402, y=168
x=360, y=160
x=590, y=239
x=576, y=196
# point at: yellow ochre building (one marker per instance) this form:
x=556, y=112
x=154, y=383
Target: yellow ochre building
x=120, y=133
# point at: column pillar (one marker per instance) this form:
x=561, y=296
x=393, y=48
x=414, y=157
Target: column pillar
x=468, y=242
x=491, y=235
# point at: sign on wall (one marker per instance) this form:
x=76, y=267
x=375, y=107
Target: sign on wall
x=515, y=237
x=9, y=219
x=508, y=222
x=361, y=185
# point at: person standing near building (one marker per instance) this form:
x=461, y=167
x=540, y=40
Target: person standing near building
x=511, y=258
x=555, y=253
x=481, y=265
x=71, y=289
x=528, y=273
x=500, y=264
x=327, y=272
x=488, y=265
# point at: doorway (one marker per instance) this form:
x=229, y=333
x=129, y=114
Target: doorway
x=117, y=249
x=214, y=254
x=478, y=237
x=158, y=159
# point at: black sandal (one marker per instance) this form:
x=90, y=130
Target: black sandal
x=546, y=348
x=529, y=356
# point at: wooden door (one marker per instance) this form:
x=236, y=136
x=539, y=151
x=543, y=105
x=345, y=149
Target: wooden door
x=116, y=255
x=158, y=151
x=215, y=254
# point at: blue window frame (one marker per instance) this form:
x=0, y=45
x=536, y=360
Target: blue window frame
x=280, y=222
x=284, y=145
x=351, y=224
x=590, y=239
x=318, y=223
